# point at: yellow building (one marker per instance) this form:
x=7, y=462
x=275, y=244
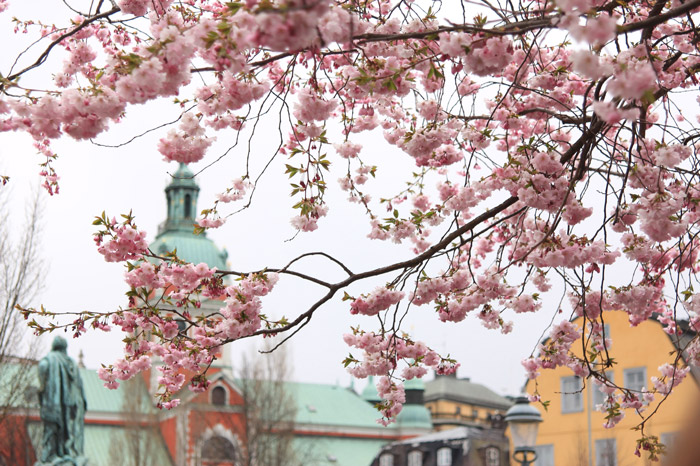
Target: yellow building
x=457, y=402
x=572, y=433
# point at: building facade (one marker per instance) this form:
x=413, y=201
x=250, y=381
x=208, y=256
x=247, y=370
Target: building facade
x=573, y=431
x=455, y=402
x=324, y=425
x=460, y=446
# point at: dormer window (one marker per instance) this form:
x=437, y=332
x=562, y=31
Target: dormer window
x=415, y=458
x=444, y=457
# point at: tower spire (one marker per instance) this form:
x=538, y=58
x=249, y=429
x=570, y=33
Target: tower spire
x=181, y=195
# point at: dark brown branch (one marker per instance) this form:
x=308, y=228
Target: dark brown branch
x=509, y=29
x=42, y=58
x=327, y=256
x=656, y=20
x=433, y=250
x=393, y=267
x=655, y=11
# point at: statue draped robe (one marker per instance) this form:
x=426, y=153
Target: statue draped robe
x=63, y=406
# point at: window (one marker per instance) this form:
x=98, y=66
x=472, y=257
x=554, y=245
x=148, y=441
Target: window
x=387, y=459
x=605, y=452
x=415, y=458
x=493, y=456
x=188, y=206
x=571, y=396
x=598, y=395
x=218, y=396
x=181, y=326
x=444, y=457
x=635, y=378
x=545, y=455
x=475, y=413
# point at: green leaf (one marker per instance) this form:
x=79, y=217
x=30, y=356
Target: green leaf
x=291, y=170
x=648, y=97
x=349, y=360
x=233, y=7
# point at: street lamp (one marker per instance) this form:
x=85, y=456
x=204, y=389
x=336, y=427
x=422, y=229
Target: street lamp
x=523, y=421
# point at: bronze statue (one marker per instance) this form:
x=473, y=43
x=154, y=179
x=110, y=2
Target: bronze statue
x=62, y=408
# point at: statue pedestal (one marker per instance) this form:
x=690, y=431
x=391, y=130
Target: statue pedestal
x=79, y=461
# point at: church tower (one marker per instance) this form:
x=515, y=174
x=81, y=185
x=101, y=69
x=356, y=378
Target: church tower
x=177, y=232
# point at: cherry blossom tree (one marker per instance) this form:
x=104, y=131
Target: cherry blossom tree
x=554, y=153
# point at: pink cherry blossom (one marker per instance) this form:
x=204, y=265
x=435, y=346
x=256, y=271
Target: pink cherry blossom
x=537, y=148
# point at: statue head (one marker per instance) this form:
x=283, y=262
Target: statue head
x=59, y=344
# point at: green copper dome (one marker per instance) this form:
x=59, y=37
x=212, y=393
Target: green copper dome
x=414, y=413
x=414, y=416
x=414, y=384
x=177, y=232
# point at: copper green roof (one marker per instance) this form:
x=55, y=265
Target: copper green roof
x=97, y=396
x=102, y=442
x=414, y=384
x=110, y=445
x=330, y=451
x=370, y=393
x=102, y=399
x=337, y=409
x=331, y=405
x=414, y=416
x=183, y=177
x=190, y=247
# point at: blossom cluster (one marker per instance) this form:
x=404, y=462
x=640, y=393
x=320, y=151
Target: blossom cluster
x=530, y=159
x=126, y=243
x=382, y=353
x=379, y=300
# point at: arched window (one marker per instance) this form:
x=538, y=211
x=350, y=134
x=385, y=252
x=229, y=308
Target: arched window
x=218, y=451
x=188, y=206
x=493, y=456
x=218, y=396
x=415, y=458
x=387, y=459
x=444, y=457
x=170, y=204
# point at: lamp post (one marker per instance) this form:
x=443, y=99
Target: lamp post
x=523, y=420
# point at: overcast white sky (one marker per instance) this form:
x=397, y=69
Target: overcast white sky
x=133, y=177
